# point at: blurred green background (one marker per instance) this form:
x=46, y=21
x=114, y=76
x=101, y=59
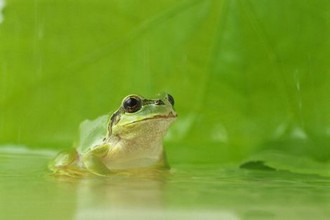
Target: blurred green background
x=250, y=78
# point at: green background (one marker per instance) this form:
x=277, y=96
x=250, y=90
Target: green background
x=251, y=84
x=250, y=78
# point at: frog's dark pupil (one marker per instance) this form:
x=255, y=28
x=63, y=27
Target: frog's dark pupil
x=170, y=99
x=132, y=104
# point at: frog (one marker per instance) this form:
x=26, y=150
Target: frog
x=129, y=139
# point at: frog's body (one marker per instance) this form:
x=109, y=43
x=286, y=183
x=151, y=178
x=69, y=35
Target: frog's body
x=131, y=138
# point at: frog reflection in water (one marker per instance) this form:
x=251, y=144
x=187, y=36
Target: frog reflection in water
x=130, y=139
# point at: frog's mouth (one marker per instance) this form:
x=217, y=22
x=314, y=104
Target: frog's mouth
x=170, y=115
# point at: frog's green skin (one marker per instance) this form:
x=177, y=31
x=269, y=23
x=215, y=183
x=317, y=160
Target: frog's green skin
x=129, y=139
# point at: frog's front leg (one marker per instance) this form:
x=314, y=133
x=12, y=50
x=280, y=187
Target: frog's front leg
x=67, y=163
x=93, y=160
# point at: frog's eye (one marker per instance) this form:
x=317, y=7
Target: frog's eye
x=170, y=99
x=132, y=104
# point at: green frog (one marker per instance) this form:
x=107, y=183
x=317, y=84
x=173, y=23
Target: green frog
x=129, y=139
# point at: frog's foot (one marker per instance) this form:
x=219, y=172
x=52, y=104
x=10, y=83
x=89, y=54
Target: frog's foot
x=67, y=163
x=93, y=160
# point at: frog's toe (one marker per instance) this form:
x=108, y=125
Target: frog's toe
x=65, y=163
x=64, y=159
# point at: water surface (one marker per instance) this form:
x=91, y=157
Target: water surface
x=189, y=191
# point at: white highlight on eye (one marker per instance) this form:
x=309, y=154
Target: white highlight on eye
x=2, y=5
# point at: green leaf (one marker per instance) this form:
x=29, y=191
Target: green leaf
x=243, y=73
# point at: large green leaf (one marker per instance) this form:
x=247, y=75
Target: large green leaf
x=244, y=73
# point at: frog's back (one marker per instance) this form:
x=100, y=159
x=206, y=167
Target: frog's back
x=92, y=133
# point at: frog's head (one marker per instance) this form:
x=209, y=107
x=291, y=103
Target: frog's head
x=141, y=117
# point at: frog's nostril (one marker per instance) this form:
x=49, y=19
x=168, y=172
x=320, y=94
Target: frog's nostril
x=159, y=102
